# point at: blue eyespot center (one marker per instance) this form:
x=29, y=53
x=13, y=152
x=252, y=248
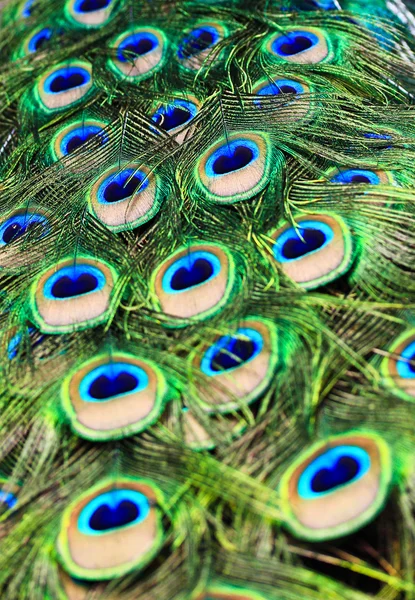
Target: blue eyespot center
x=199, y=272
x=360, y=179
x=230, y=352
x=12, y=232
x=106, y=517
x=194, y=269
x=239, y=158
x=281, y=86
x=174, y=115
x=113, y=510
x=404, y=367
x=112, y=380
x=122, y=185
x=197, y=41
x=172, y=119
x=295, y=247
x=293, y=243
x=79, y=136
x=7, y=499
x=231, y=157
x=65, y=79
x=39, y=39
x=294, y=42
x=238, y=351
x=21, y=224
x=87, y=6
x=14, y=342
x=345, y=470
x=66, y=287
x=27, y=9
x=103, y=387
x=356, y=176
x=335, y=468
x=136, y=44
x=288, y=89
x=13, y=345
x=75, y=280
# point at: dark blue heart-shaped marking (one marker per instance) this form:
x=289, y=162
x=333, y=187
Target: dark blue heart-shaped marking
x=287, y=89
x=16, y=230
x=63, y=83
x=119, y=190
x=104, y=387
x=136, y=48
x=171, y=118
x=185, y=277
x=359, y=179
x=40, y=41
x=232, y=161
x=341, y=472
x=236, y=352
x=294, y=44
x=107, y=517
x=77, y=140
x=296, y=247
x=66, y=287
x=198, y=40
x=12, y=232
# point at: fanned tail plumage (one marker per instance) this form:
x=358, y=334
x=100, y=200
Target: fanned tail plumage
x=207, y=291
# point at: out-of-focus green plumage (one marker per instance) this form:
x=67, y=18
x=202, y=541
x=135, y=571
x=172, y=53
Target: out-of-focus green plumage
x=207, y=326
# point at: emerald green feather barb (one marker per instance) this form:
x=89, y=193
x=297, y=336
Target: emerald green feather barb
x=207, y=300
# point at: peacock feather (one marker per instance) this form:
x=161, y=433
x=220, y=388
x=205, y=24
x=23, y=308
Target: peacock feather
x=207, y=299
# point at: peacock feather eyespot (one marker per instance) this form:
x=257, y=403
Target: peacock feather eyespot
x=26, y=9
x=90, y=13
x=290, y=90
x=194, y=282
x=235, y=168
x=71, y=137
x=399, y=368
x=337, y=486
x=112, y=397
x=125, y=198
x=8, y=498
x=111, y=529
x=362, y=176
x=21, y=223
x=36, y=41
x=305, y=46
x=139, y=52
x=73, y=294
x=175, y=117
x=318, y=250
x=19, y=237
x=13, y=345
x=64, y=85
x=12, y=340
x=197, y=48
x=241, y=365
